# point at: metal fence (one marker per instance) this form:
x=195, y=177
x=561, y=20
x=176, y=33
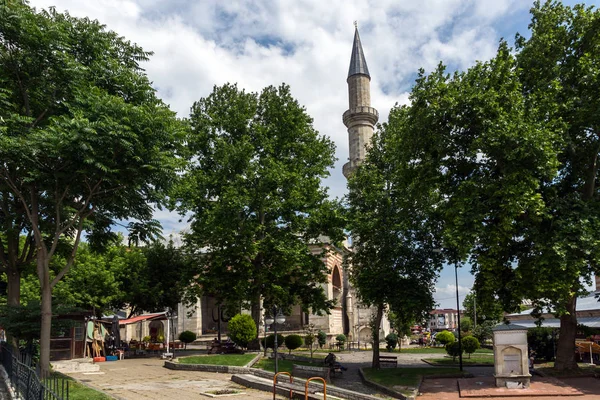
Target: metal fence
x=25, y=381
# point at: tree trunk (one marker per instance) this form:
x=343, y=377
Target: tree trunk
x=46, y=309
x=14, y=286
x=565, y=351
x=375, y=333
x=13, y=275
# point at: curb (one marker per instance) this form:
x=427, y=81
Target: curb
x=455, y=365
x=386, y=390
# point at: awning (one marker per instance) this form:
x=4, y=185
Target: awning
x=144, y=317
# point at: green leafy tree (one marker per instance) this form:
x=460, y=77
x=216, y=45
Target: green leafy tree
x=512, y=144
x=470, y=344
x=254, y=190
x=393, y=242
x=453, y=349
x=187, y=337
x=401, y=324
x=242, y=329
x=153, y=278
x=445, y=337
x=341, y=340
x=559, y=69
x=483, y=332
x=482, y=309
x=311, y=337
x=292, y=342
x=91, y=283
x=391, y=340
x=321, y=338
x=466, y=324
x=83, y=138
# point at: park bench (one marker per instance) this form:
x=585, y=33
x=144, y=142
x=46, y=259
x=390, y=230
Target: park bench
x=306, y=371
x=217, y=347
x=385, y=360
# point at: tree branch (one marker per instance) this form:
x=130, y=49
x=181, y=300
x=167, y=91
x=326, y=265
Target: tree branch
x=71, y=258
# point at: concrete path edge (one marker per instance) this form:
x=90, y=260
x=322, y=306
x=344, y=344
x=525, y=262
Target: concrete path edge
x=387, y=390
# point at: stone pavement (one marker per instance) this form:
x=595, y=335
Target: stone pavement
x=137, y=379
x=447, y=389
x=145, y=378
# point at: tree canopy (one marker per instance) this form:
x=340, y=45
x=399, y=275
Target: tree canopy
x=83, y=138
x=391, y=243
x=257, y=203
x=510, y=148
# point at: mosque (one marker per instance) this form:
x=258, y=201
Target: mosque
x=348, y=316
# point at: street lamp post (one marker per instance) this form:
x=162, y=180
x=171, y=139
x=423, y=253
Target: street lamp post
x=458, y=313
x=277, y=318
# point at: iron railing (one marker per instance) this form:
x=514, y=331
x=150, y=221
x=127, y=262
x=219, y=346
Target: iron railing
x=25, y=381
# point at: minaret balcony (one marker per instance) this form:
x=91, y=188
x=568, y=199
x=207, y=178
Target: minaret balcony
x=360, y=115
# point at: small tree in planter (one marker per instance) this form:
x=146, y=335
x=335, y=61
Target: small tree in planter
x=470, y=344
x=292, y=342
x=340, y=339
x=242, y=330
x=322, y=339
x=392, y=341
x=270, y=340
x=187, y=337
x=453, y=350
x=310, y=338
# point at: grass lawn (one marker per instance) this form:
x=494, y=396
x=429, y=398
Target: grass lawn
x=410, y=377
x=77, y=391
x=584, y=369
x=284, y=365
x=475, y=359
x=436, y=350
x=237, y=360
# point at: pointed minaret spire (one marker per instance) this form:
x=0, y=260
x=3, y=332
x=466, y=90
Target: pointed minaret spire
x=360, y=118
x=358, y=64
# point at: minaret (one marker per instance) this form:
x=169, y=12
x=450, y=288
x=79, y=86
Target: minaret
x=360, y=118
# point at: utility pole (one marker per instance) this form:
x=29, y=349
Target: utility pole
x=475, y=309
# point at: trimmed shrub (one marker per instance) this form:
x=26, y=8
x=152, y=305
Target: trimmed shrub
x=292, y=342
x=242, y=330
x=392, y=341
x=470, y=344
x=187, y=337
x=322, y=338
x=452, y=349
x=271, y=340
x=340, y=339
x=445, y=337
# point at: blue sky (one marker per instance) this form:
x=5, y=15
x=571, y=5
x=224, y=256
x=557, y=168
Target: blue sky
x=307, y=44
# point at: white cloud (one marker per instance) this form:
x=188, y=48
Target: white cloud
x=305, y=43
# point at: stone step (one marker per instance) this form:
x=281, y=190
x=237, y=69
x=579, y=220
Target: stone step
x=77, y=365
x=283, y=388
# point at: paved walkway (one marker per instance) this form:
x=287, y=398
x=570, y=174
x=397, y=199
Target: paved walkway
x=447, y=389
x=138, y=379
x=145, y=378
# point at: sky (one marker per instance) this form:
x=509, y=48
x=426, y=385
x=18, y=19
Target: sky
x=307, y=44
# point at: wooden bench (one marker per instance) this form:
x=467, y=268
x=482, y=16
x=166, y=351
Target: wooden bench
x=306, y=371
x=384, y=360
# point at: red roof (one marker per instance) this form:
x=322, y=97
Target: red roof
x=140, y=318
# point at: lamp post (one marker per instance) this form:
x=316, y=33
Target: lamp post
x=458, y=314
x=277, y=318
